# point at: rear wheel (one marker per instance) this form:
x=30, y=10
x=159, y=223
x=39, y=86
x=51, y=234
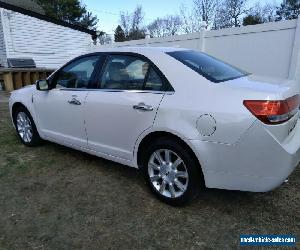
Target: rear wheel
x=171, y=171
x=26, y=128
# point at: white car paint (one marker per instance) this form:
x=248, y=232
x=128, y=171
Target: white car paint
x=58, y=120
x=241, y=153
x=126, y=123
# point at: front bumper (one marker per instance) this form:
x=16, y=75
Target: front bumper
x=257, y=162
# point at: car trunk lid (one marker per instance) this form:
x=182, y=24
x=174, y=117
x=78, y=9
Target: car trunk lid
x=278, y=98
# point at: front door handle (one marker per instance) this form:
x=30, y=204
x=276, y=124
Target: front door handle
x=143, y=107
x=74, y=101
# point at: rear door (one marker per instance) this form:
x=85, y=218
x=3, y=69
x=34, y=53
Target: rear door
x=125, y=104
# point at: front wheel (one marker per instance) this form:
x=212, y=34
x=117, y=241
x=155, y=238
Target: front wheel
x=172, y=171
x=26, y=128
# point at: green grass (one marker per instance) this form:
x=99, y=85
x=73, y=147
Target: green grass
x=52, y=197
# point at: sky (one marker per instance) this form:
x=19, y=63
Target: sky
x=108, y=11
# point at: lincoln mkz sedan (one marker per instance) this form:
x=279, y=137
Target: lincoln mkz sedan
x=186, y=119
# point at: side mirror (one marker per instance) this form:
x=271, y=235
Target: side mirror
x=42, y=85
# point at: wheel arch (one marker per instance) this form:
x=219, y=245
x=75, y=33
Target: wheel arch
x=19, y=104
x=157, y=134
x=15, y=106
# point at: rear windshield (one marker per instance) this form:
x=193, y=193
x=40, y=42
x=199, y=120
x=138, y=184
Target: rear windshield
x=207, y=66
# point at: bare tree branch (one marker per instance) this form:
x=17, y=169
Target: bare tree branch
x=132, y=24
x=206, y=9
x=167, y=26
x=229, y=14
x=191, y=21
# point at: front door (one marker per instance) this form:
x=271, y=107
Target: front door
x=60, y=110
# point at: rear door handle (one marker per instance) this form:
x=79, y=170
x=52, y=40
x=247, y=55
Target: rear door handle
x=74, y=101
x=143, y=107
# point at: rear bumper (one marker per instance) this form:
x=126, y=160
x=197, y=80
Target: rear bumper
x=257, y=162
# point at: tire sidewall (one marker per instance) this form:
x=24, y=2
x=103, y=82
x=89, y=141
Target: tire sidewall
x=193, y=170
x=36, y=140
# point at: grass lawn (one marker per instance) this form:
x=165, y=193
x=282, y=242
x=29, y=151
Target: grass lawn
x=52, y=197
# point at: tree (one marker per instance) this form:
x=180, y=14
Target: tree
x=190, y=20
x=119, y=34
x=269, y=12
x=71, y=11
x=137, y=18
x=289, y=9
x=229, y=14
x=262, y=13
x=125, y=22
x=206, y=9
x=132, y=24
x=137, y=31
x=26, y=4
x=236, y=9
x=202, y=11
x=252, y=20
x=89, y=21
x=167, y=26
x=222, y=19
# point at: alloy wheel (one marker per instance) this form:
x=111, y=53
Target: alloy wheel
x=168, y=173
x=24, y=127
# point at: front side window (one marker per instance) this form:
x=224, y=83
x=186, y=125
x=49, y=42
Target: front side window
x=207, y=66
x=124, y=72
x=77, y=74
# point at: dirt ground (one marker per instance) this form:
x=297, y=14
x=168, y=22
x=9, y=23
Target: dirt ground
x=52, y=197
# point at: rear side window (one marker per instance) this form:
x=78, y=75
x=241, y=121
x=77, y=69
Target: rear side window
x=126, y=72
x=153, y=82
x=207, y=66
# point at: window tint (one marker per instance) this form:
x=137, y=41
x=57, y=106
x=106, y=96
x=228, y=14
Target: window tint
x=207, y=66
x=154, y=82
x=124, y=72
x=77, y=74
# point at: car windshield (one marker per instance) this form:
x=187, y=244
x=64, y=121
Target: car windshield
x=207, y=66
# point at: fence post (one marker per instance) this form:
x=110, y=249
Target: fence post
x=294, y=72
x=202, y=36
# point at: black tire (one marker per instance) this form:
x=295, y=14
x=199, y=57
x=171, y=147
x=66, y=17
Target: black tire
x=36, y=139
x=195, y=178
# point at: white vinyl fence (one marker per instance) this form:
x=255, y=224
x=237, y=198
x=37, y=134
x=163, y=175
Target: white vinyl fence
x=270, y=49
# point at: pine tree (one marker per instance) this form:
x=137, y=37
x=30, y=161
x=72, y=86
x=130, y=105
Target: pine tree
x=89, y=21
x=71, y=11
x=119, y=34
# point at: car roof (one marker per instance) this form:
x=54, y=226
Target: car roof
x=140, y=50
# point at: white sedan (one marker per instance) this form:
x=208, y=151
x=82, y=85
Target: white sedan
x=186, y=119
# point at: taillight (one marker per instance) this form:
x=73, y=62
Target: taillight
x=274, y=112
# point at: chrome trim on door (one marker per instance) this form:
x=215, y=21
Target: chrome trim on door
x=121, y=90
